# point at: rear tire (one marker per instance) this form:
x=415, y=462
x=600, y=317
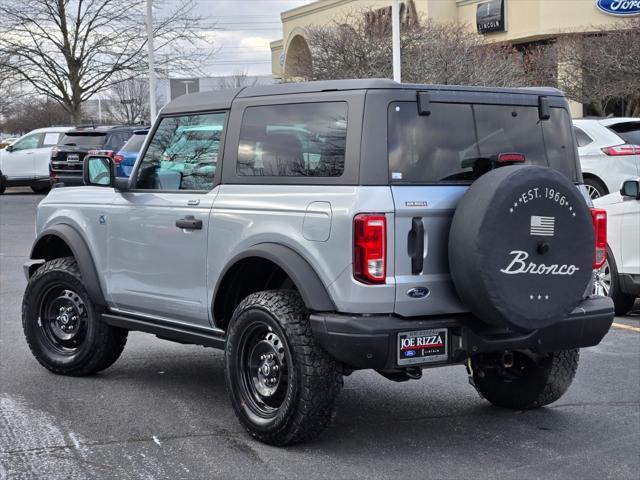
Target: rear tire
x=62, y=325
x=282, y=384
x=607, y=283
x=595, y=187
x=40, y=188
x=528, y=383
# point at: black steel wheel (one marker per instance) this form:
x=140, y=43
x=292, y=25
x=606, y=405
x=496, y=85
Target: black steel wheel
x=62, y=325
x=281, y=383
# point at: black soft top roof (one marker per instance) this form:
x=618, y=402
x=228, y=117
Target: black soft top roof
x=222, y=99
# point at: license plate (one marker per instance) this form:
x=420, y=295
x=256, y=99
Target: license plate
x=423, y=346
x=73, y=157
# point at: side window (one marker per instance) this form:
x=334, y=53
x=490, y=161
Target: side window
x=296, y=140
x=50, y=139
x=28, y=142
x=581, y=137
x=183, y=153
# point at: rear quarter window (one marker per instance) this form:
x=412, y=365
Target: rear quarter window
x=293, y=140
x=457, y=142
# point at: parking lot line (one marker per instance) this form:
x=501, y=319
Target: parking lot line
x=626, y=327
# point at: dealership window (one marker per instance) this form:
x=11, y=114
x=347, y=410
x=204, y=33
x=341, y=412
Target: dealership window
x=294, y=140
x=183, y=153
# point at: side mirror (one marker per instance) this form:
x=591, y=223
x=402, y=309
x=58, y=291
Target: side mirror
x=631, y=188
x=99, y=170
x=9, y=148
x=122, y=184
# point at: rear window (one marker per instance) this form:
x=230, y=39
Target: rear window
x=629, y=132
x=135, y=143
x=89, y=139
x=457, y=142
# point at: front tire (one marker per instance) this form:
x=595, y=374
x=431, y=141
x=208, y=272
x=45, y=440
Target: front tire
x=532, y=382
x=39, y=188
x=3, y=184
x=62, y=325
x=282, y=384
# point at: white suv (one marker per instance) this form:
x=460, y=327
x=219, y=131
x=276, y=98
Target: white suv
x=619, y=277
x=26, y=161
x=609, y=150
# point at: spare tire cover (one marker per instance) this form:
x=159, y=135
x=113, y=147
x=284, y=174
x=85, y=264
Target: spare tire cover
x=521, y=247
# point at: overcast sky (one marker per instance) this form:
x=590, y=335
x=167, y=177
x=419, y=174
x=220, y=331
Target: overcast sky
x=243, y=31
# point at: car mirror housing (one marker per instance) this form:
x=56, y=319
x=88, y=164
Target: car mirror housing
x=631, y=188
x=122, y=184
x=9, y=148
x=99, y=171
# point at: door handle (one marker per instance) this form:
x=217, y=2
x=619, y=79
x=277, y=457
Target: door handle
x=190, y=223
x=415, y=245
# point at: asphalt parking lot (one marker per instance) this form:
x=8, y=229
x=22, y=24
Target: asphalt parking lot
x=162, y=412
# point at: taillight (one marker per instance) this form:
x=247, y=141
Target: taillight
x=370, y=248
x=118, y=158
x=600, y=228
x=622, y=150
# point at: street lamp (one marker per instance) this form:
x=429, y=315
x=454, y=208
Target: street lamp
x=152, y=69
x=395, y=33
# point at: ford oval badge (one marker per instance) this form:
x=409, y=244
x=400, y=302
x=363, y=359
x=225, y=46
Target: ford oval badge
x=619, y=7
x=418, y=292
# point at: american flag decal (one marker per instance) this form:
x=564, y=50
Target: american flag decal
x=543, y=226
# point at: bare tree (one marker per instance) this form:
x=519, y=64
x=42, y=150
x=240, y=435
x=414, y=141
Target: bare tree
x=602, y=67
x=26, y=113
x=240, y=78
x=127, y=101
x=446, y=53
x=69, y=50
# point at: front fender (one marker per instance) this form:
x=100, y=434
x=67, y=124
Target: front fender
x=73, y=239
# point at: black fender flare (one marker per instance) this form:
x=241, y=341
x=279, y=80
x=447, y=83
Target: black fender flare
x=81, y=252
x=312, y=290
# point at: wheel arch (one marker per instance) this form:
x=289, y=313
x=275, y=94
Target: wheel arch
x=267, y=266
x=62, y=241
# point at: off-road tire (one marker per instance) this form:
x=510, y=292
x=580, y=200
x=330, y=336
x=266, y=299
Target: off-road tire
x=101, y=345
x=622, y=302
x=313, y=377
x=544, y=381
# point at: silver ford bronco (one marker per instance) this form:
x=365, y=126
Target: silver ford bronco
x=314, y=229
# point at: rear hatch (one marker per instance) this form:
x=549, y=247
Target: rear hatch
x=68, y=155
x=434, y=157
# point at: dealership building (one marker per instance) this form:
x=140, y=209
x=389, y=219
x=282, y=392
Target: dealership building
x=518, y=22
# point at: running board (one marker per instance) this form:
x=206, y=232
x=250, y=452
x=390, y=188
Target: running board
x=169, y=331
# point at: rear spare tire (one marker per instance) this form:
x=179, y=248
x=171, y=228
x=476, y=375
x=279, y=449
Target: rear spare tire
x=521, y=247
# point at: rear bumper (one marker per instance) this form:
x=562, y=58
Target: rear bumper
x=370, y=342
x=69, y=179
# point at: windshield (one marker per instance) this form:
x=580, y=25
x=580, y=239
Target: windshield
x=135, y=143
x=92, y=139
x=457, y=142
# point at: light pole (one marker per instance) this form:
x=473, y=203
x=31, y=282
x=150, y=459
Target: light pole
x=395, y=33
x=152, y=69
